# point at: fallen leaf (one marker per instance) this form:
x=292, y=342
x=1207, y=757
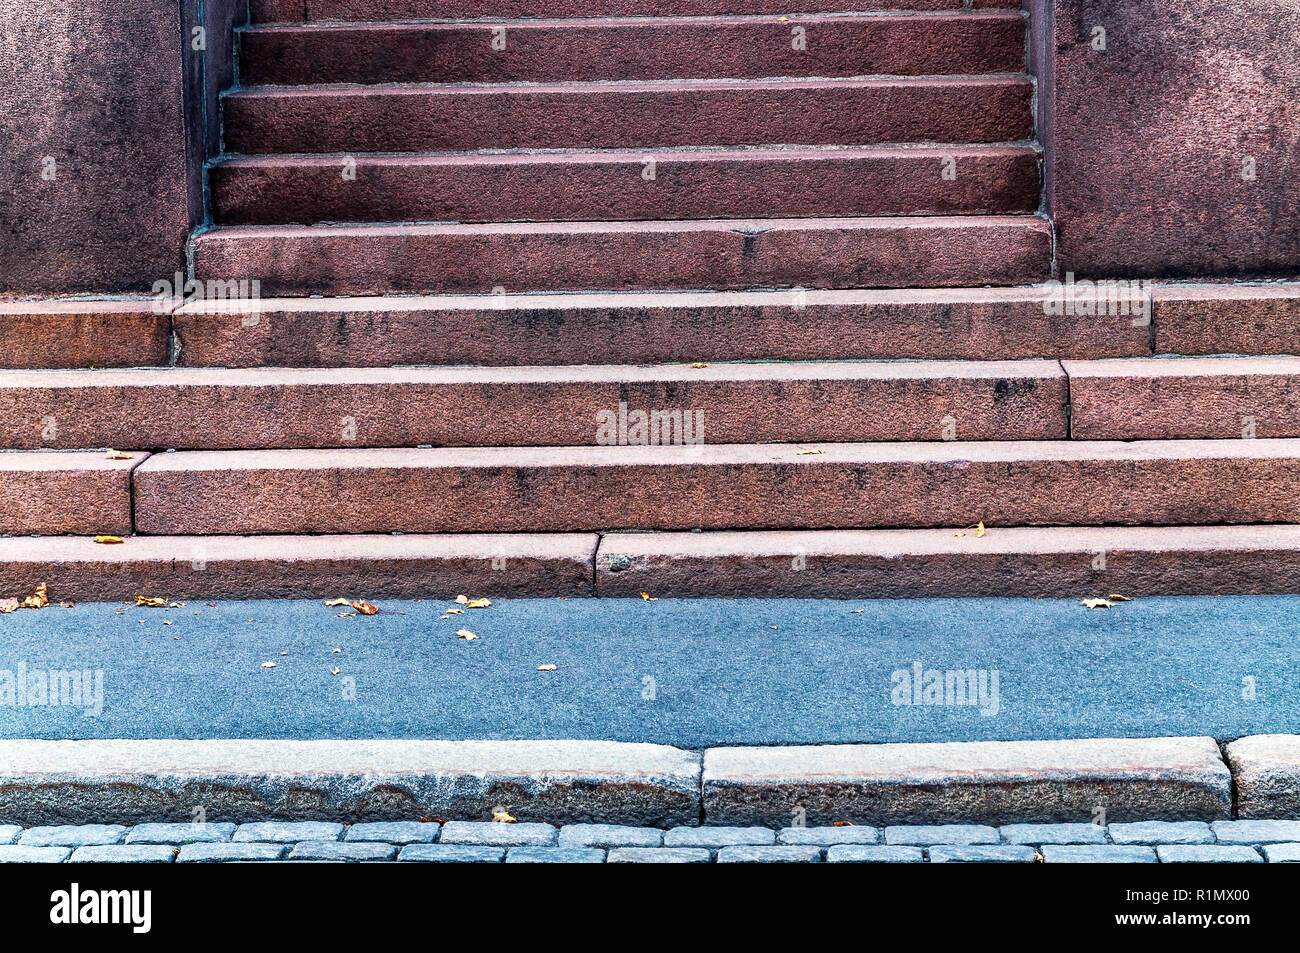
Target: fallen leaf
x=8, y=605
x=118, y=455
x=807, y=451
x=155, y=602
x=38, y=599
x=108, y=539
x=335, y=670
x=698, y=365
x=455, y=612
x=365, y=608
x=338, y=602
x=503, y=817
x=979, y=530
x=167, y=621
x=649, y=598
x=546, y=668
x=1116, y=597
x=337, y=652
x=466, y=634
x=478, y=603
x=268, y=665
x=68, y=605
x=461, y=600
x=1097, y=603
x=843, y=824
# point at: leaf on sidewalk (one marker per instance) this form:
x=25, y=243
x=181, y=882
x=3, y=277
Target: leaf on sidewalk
x=503, y=817
x=338, y=602
x=8, y=605
x=118, y=455
x=365, y=608
x=546, y=668
x=154, y=602
x=466, y=634
x=38, y=599
x=108, y=540
x=1097, y=603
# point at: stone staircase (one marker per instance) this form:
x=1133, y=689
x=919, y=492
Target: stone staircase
x=486, y=243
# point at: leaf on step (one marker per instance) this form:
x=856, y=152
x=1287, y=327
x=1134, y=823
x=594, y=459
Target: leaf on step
x=546, y=668
x=503, y=817
x=478, y=603
x=268, y=665
x=808, y=450
x=461, y=600
x=118, y=455
x=979, y=530
x=698, y=365
x=1097, y=603
x=38, y=599
x=365, y=608
x=843, y=823
x=339, y=602
x=454, y=612
x=649, y=598
x=1116, y=597
x=109, y=540
x=466, y=634
x=154, y=602
x=8, y=605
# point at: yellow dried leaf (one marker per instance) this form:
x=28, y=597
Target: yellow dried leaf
x=461, y=600
x=454, y=612
x=466, y=634
x=843, y=823
x=8, y=605
x=546, y=668
x=699, y=364
x=338, y=602
x=478, y=603
x=503, y=817
x=1116, y=597
x=155, y=602
x=649, y=598
x=365, y=608
x=118, y=455
x=1097, y=603
x=38, y=599
x=979, y=530
x=807, y=451
x=108, y=539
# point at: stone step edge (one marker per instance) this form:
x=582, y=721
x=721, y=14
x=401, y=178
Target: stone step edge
x=568, y=781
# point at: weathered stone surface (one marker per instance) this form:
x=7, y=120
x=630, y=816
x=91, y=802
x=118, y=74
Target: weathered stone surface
x=1097, y=854
x=263, y=567
x=554, y=855
x=984, y=854
x=783, y=854
x=74, y=333
x=279, y=408
x=340, y=850
x=18, y=854
x=563, y=781
x=646, y=328
x=609, y=836
x=1227, y=319
x=493, y=834
x=9, y=833
x=394, y=832
x=269, y=11
x=209, y=833
x=868, y=854
x=951, y=834
x=1162, y=832
x=124, y=854
x=828, y=836
x=1266, y=771
x=1035, y=834
x=989, y=782
x=451, y=854
x=845, y=485
x=890, y=563
x=288, y=832
x=70, y=835
x=52, y=493
x=1207, y=854
x=716, y=837
x=1254, y=831
x=724, y=254
x=659, y=855
x=230, y=853
x=1282, y=853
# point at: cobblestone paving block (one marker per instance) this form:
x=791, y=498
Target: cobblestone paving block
x=1251, y=832
x=609, y=836
x=1162, y=832
x=1036, y=834
x=1282, y=853
x=9, y=833
x=18, y=854
x=555, y=855
x=944, y=834
x=287, y=832
x=494, y=834
x=1266, y=770
x=867, y=854
x=180, y=834
x=718, y=837
x=660, y=855
x=828, y=836
x=340, y=850
x=124, y=854
x=785, y=854
x=984, y=854
x=229, y=853
x=1207, y=854
x=68, y=835
x=1097, y=854
x=451, y=854
x=394, y=832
